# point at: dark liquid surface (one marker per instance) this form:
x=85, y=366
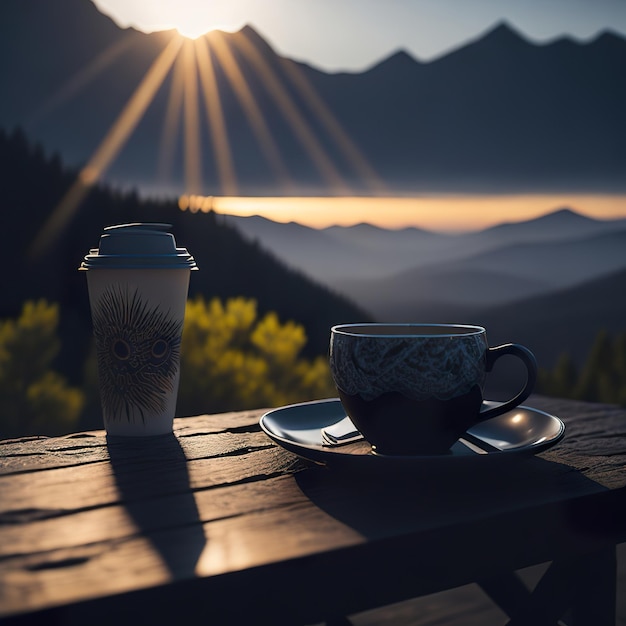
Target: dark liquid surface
x=395, y=424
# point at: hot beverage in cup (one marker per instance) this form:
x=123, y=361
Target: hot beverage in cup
x=138, y=281
x=416, y=388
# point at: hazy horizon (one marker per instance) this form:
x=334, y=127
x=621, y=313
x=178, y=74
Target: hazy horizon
x=443, y=212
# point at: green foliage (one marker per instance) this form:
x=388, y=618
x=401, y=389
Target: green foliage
x=232, y=360
x=601, y=379
x=562, y=380
x=34, y=399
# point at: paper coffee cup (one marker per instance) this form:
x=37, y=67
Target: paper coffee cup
x=138, y=282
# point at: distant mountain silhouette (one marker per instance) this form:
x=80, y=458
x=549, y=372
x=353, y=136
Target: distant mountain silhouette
x=552, y=282
x=566, y=320
x=556, y=225
x=332, y=254
x=420, y=294
x=368, y=255
x=499, y=113
x=551, y=324
x=32, y=185
x=560, y=263
x=504, y=274
x=507, y=273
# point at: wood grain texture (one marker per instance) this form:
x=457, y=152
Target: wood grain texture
x=97, y=528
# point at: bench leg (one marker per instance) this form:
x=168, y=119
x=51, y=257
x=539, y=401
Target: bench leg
x=594, y=600
x=585, y=585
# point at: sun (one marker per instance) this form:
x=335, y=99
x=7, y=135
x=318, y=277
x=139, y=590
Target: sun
x=191, y=18
x=193, y=30
x=195, y=18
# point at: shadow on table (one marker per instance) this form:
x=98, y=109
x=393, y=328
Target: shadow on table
x=529, y=489
x=153, y=481
x=407, y=498
x=433, y=531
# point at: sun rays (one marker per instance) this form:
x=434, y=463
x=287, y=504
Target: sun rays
x=109, y=147
x=251, y=109
x=193, y=165
x=215, y=115
x=195, y=105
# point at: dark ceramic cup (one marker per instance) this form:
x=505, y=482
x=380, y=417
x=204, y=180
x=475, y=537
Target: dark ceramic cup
x=416, y=388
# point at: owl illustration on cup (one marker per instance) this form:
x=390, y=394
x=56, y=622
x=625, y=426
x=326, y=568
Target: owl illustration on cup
x=138, y=349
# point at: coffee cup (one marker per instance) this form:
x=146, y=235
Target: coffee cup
x=138, y=282
x=414, y=389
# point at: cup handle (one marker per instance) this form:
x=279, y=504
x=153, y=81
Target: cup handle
x=528, y=358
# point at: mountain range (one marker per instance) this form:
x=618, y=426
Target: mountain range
x=500, y=275
x=552, y=282
x=500, y=113
x=559, y=248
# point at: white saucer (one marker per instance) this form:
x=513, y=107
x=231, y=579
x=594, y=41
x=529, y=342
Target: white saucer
x=521, y=432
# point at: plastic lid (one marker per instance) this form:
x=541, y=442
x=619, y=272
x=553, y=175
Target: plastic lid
x=138, y=246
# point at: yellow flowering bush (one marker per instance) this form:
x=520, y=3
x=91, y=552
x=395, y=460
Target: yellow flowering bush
x=35, y=400
x=232, y=360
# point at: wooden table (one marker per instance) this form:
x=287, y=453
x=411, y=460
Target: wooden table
x=219, y=525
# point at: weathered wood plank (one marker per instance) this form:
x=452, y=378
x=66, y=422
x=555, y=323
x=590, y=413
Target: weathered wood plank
x=238, y=540
x=94, y=486
x=586, y=437
x=116, y=522
x=151, y=493
x=595, y=439
x=82, y=518
x=280, y=538
x=138, y=474
x=134, y=478
x=44, y=453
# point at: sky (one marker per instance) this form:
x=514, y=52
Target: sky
x=351, y=35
